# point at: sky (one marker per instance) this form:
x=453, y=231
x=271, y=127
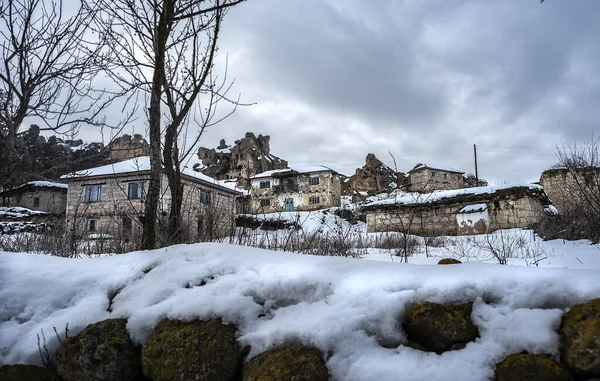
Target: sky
x=416, y=81
x=420, y=80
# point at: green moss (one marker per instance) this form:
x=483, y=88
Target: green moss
x=26, y=373
x=580, y=338
x=199, y=350
x=448, y=261
x=297, y=363
x=526, y=367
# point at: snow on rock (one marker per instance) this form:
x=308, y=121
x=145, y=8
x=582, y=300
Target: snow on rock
x=344, y=307
x=18, y=212
x=473, y=208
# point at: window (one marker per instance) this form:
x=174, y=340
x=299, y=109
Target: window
x=433, y=174
x=127, y=223
x=92, y=225
x=265, y=202
x=265, y=184
x=136, y=190
x=314, y=200
x=36, y=202
x=445, y=177
x=458, y=177
x=92, y=193
x=205, y=197
x=313, y=180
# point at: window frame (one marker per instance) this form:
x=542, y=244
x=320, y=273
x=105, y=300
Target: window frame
x=87, y=193
x=140, y=184
x=314, y=180
x=314, y=200
x=264, y=202
x=36, y=202
x=205, y=197
x=264, y=184
x=91, y=222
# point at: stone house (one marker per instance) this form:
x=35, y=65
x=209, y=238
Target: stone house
x=44, y=196
x=299, y=189
x=460, y=212
x=572, y=189
x=108, y=201
x=424, y=179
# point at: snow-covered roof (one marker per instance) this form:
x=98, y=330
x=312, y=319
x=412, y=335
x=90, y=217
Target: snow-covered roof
x=141, y=163
x=419, y=167
x=274, y=172
x=423, y=198
x=473, y=208
x=41, y=184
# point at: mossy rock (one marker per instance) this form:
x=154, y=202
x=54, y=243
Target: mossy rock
x=440, y=327
x=580, y=338
x=26, y=373
x=449, y=261
x=102, y=351
x=526, y=367
x=199, y=350
x=292, y=363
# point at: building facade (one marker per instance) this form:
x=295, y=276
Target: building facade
x=109, y=202
x=300, y=189
x=44, y=196
x=425, y=179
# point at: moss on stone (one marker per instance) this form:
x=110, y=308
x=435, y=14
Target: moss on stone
x=448, y=261
x=198, y=350
x=26, y=373
x=297, y=363
x=580, y=338
x=526, y=367
x=440, y=327
x=102, y=351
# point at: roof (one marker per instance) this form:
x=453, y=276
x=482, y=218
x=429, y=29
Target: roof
x=138, y=164
x=437, y=196
x=36, y=184
x=420, y=167
x=284, y=171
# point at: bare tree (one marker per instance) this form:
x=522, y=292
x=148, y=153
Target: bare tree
x=165, y=50
x=47, y=66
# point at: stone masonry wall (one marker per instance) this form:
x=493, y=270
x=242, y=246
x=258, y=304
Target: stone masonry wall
x=567, y=187
x=50, y=200
x=428, y=179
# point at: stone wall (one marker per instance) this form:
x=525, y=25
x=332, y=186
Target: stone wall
x=568, y=187
x=328, y=190
x=201, y=222
x=50, y=200
x=519, y=211
x=427, y=180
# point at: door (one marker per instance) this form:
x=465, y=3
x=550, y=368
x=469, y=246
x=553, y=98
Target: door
x=289, y=205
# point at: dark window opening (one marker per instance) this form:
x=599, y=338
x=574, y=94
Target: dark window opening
x=265, y=184
x=36, y=202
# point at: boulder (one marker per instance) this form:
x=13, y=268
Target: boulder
x=292, y=363
x=198, y=350
x=526, y=367
x=448, y=261
x=439, y=327
x=580, y=338
x=102, y=351
x=26, y=373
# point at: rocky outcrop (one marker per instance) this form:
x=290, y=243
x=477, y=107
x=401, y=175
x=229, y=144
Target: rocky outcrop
x=374, y=176
x=127, y=147
x=580, y=338
x=102, y=351
x=439, y=327
x=247, y=157
x=293, y=363
x=26, y=373
x=198, y=350
x=531, y=368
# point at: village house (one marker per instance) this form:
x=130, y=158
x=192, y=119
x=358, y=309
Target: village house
x=108, y=201
x=299, y=189
x=460, y=212
x=572, y=189
x=424, y=179
x=44, y=196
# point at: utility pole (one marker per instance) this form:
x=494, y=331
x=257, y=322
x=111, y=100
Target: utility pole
x=476, y=173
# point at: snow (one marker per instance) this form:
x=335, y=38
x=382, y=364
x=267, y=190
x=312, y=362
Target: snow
x=141, y=163
x=550, y=209
x=310, y=169
x=435, y=168
x=44, y=184
x=473, y=208
x=345, y=307
x=18, y=212
x=418, y=198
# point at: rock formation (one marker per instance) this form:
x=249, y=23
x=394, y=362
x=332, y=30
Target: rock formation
x=127, y=147
x=247, y=157
x=374, y=176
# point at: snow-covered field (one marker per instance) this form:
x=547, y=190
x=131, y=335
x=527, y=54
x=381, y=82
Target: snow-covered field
x=346, y=307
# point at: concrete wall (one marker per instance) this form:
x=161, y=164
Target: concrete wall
x=432, y=220
x=200, y=221
x=568, y=188
x=328, y=190
x=51, y=200
x=427, y=180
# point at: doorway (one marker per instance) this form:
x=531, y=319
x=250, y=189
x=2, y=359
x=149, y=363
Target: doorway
x=288, y=205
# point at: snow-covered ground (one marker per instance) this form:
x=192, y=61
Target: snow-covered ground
x=346, y=307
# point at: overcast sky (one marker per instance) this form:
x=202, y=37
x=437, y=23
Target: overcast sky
x=424, y=80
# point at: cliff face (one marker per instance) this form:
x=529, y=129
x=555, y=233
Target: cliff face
x=374, y=176
x=247, y=157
